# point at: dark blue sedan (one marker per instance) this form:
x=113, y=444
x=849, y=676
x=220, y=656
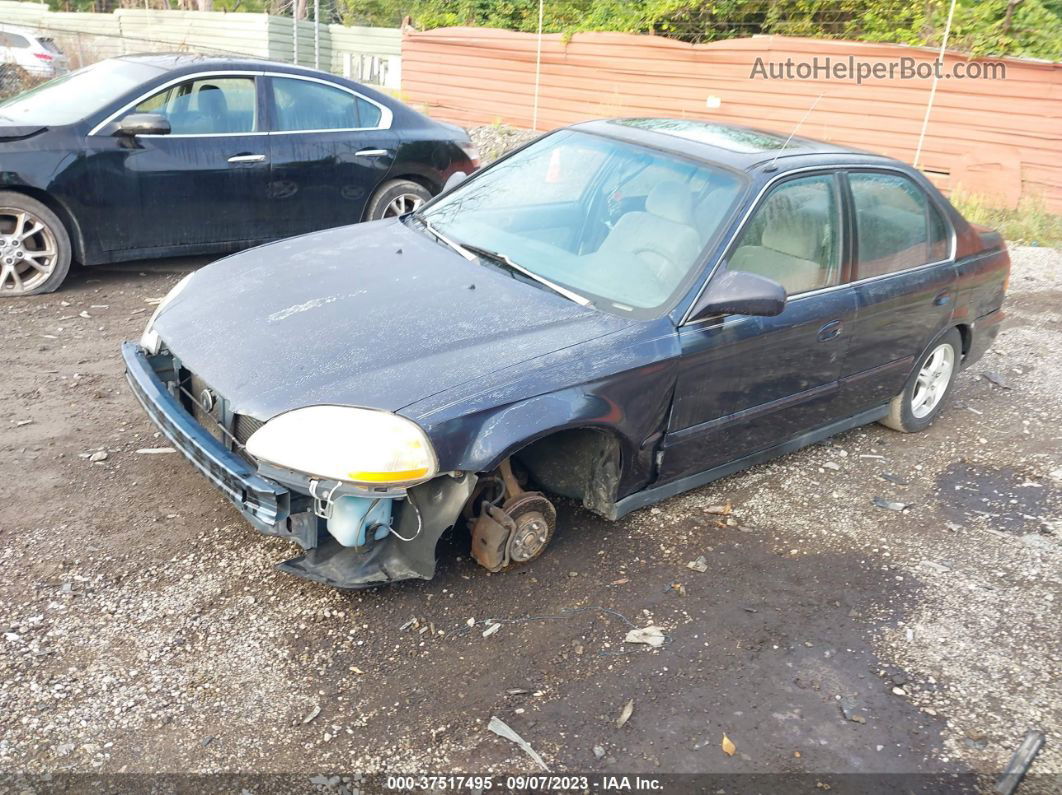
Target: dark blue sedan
x=165, y=155
x=616, y=313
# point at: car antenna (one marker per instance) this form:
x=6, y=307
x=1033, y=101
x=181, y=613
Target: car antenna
x=773, y=164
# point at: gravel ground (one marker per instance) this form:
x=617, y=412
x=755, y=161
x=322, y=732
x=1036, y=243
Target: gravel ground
x=494, y=140
x=143, y=627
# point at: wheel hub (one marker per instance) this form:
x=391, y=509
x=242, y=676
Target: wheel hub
x=534, y=518
x=529, y=537
x=932, y=380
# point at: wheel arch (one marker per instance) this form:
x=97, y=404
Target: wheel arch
x=581, y=461
x=966, y=333
x=66, y=217
x=425, y=182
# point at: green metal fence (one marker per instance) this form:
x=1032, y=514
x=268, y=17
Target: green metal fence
x=362, y=53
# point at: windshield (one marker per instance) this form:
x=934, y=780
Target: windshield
x=74, y=96
x=621, y=224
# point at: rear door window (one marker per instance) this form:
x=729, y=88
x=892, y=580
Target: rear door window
x=13, y=40
x=369, y=115
x=309, y=106
x=897, y=226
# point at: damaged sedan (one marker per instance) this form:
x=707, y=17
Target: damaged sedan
x=616, y=313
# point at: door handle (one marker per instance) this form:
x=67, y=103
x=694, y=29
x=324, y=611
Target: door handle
x=371, y=153
x=830, y=330
x=942, y=299
x=247, y=158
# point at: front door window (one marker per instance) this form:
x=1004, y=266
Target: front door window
x=207, y=106
x=794, y=236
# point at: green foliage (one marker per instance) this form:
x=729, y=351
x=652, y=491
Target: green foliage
x=980, y=27
x=1029, y=223
x=1033, y=28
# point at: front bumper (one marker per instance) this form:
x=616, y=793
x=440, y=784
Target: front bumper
x=262, y=502
x=427, y=511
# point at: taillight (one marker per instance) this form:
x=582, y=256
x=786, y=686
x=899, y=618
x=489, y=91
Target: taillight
x=43, y=56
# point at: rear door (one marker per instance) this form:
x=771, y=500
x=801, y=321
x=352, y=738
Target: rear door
x=330, y=148
x=749, y=383
x=906, y=282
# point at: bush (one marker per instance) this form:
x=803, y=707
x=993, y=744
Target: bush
x=1030, y=28
x=1030, y=223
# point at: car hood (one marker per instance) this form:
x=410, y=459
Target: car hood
x=11, y=130
x=376, y=315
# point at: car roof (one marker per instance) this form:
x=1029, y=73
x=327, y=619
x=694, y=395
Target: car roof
x=180, y=62
x=727, y=144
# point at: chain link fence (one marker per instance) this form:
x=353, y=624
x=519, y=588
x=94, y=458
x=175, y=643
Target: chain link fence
x=14, y=80
x=34, y=56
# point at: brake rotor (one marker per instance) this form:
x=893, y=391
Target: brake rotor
x=534, y=518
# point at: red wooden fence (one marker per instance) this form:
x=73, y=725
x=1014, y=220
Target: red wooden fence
x=996, y=137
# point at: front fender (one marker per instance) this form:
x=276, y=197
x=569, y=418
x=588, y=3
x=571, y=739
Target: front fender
x=498, y=434
x=620, y=384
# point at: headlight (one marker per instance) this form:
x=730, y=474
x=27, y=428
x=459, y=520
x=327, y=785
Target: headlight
x=363, y=446
x=149, y=340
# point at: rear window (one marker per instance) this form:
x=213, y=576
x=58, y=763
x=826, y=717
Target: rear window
x=13, y=40
x=50, y=45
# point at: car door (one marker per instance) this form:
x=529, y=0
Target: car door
x=747, y=383
x=906, y=277
x=330, y=148
x=205, y=182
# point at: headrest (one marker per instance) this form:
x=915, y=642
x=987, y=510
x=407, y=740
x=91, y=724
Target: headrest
x=671, y=200
x=790, y=230
x=212, y=100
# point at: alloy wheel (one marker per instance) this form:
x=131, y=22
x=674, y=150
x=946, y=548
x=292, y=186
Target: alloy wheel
x=933, y=380
x=28, y=251
x=402, y=204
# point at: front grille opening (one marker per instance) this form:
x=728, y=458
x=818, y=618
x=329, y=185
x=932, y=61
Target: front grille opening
x=243, y=426
x=213, y=413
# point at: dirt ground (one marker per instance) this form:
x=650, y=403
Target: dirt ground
x=144, y=628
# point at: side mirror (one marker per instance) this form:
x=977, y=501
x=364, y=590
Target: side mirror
x=144, y=124
x=740, y=293
x=454, y=180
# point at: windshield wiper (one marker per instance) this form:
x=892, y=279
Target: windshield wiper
x=464, y=252
x=471, y=252
x=502, y=259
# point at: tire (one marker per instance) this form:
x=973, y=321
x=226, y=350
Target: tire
x=25, y=268
x=928, y=389
x=396, y=197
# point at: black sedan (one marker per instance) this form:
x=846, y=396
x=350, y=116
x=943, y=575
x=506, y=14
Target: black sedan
x=616, y=313
x=166, y=155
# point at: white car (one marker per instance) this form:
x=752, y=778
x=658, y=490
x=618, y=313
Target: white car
x=35, y=55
